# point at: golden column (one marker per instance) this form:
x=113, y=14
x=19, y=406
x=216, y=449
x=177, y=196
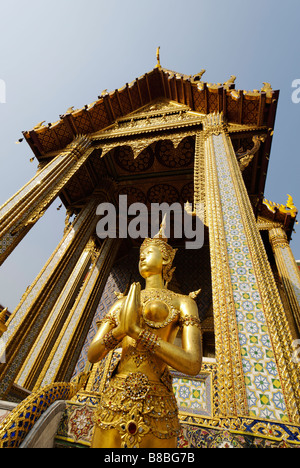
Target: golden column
x=64, y=354
x=26, y=207
x=47, y=338
x=256, y=376
x=232, y=393
x=288, y=269
x=25, y=324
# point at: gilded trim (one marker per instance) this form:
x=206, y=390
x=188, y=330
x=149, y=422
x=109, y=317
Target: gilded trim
x=279, y=330
x=232, y=393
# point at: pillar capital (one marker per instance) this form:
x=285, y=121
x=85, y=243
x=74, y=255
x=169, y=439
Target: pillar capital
x=214, y=124
x=278, y=238
x=78, y=147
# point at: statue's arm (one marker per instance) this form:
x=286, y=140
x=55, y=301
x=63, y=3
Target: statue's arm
x=111, y=331
x=108, y=335
x=188, y=358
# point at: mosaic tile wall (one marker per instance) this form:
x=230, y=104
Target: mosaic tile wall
x=199, y=437
x=194, y=395
x=264, y=392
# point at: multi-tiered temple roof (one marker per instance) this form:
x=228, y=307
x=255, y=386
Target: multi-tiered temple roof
x=249, y=114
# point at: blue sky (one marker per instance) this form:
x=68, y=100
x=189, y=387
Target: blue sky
x=58, y=54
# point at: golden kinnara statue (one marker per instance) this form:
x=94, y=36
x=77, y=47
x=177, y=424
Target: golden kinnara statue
x=138, y=407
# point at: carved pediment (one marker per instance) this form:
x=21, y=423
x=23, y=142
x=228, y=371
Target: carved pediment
x=160, y=115
x=160, y=106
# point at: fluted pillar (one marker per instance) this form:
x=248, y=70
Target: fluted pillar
x=23, y=209
x=67, y=347
x=288, y=270
x=253, y=343
x=25, y=324
x=46, y=340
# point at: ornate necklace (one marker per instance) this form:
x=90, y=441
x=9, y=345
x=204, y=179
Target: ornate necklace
x=158, y=302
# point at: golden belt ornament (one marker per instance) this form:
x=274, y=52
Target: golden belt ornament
x=136, y=386
x=135, y=413
x=132, y=427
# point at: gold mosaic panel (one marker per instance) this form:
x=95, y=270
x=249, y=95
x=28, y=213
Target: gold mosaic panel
x=264, y=392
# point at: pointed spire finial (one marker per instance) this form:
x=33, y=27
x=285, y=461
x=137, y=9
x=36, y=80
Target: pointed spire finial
x=158, y=57
x=162, y=231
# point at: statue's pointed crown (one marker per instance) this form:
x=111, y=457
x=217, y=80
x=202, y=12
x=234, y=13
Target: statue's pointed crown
x=168, y=253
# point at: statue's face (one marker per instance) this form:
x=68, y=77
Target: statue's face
x=151, y=261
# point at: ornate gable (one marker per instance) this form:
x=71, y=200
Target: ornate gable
x=252, y=108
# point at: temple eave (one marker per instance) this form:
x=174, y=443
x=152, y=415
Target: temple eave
x=256, y=108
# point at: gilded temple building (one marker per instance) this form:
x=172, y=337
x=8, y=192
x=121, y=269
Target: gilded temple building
x=166, y=137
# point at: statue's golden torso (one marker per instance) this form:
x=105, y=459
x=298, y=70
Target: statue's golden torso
x=160, y=313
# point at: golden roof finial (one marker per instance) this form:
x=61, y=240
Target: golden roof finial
x=267, y=88
x=39, y=125
x=229, y=82
x=289, y=208
x=158, y=57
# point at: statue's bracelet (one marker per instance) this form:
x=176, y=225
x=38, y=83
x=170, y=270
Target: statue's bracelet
x=149, y=341
x=110, y=342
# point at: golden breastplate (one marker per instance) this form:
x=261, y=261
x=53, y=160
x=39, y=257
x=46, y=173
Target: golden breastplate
x=157, y=308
